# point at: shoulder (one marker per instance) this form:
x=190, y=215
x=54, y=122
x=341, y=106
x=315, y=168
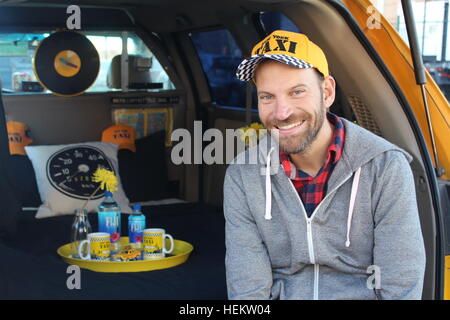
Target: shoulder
x=362, y=146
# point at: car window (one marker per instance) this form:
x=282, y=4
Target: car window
x=220, y=56
x=17, y=51
x=274, y=20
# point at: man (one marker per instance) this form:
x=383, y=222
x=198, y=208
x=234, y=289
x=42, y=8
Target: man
x=332, y=213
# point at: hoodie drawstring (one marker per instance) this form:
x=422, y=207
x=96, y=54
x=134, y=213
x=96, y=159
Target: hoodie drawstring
x=352, y=204
x=268, y=215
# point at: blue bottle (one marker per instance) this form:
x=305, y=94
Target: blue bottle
x=136, y=226
x=109, y=220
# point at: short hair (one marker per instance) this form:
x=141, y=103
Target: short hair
x=319, y=74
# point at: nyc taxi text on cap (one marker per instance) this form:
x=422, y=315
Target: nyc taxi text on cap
x=121, y=134
x=291, y=48
x=18, y=136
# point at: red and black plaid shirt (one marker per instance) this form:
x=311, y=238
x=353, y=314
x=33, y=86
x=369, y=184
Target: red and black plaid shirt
x=313, y=189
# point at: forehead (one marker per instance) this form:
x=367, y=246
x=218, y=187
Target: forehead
x=273, y=73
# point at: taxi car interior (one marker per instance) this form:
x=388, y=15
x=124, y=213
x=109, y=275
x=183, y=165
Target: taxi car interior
x=198, y=45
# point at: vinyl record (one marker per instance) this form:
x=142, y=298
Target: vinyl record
x=66, y=63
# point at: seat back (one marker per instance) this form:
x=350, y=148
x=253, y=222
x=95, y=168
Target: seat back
x=138, y=72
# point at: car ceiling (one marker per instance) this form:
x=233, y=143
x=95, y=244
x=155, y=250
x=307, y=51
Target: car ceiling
x=167, y=15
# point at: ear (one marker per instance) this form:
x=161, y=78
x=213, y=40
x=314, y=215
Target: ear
x=329, y=91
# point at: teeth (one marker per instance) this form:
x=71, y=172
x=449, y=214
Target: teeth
x=291, y=125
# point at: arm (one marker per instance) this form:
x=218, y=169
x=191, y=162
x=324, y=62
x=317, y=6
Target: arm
x=398, y=243
x=248, y=268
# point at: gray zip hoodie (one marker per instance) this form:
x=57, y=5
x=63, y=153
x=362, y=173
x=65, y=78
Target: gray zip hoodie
x=363, y=241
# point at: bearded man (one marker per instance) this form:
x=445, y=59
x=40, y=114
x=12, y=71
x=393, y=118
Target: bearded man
x=330, y=211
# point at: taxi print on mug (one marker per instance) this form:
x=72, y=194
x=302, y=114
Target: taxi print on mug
x=154, y=243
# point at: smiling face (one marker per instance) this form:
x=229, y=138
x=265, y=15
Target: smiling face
x=292, y=103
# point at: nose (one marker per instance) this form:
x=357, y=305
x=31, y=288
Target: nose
x=282, y=109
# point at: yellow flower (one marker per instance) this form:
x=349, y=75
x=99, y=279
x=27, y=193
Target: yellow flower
x=108, y=180
x=256, y=126
x=250, y=137
x=245, y=134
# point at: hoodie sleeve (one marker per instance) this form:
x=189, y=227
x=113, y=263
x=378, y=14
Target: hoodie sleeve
x=399, y=250
x=248, y=268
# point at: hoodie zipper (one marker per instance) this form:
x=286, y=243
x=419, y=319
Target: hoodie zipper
x=312, y=258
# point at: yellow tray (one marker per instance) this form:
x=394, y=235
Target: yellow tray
x=180, y=254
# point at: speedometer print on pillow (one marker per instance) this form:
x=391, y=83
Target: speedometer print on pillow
x=70, y=171
x=64, y=173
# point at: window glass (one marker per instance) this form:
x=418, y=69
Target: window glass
x=274, y=20
x=433, y=34
x=220, y=56
x=17, y=51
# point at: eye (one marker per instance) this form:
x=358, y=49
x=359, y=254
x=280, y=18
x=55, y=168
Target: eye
x=265, y=97
x=297, y=92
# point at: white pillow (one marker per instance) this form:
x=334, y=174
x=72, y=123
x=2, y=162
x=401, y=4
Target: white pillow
x=63, y=174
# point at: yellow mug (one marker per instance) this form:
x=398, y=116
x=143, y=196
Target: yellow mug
x=99, y=247
x=154, y=243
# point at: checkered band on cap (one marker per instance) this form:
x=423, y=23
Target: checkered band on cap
x=246, y=70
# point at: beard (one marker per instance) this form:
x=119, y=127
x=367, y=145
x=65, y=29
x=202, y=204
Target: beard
x=299, y=143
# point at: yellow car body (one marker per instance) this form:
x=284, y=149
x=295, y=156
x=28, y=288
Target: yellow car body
x=127, y=254
x=392, y=49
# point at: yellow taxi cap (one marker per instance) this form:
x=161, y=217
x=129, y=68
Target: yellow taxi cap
x=287, y=47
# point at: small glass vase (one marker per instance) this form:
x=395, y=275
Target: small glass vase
x=79, y=231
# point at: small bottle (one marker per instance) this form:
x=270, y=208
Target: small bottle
x=79, y=231
x=109, y=220
x=136, y=226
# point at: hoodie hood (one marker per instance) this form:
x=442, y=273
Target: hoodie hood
x=360, y=145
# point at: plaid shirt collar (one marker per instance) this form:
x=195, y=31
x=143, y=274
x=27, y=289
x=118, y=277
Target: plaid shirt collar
x=334, y=150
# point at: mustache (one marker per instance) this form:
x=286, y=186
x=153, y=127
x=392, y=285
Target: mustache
x=288, y=121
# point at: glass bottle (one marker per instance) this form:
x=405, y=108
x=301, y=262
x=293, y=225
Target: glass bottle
x=79, y=231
